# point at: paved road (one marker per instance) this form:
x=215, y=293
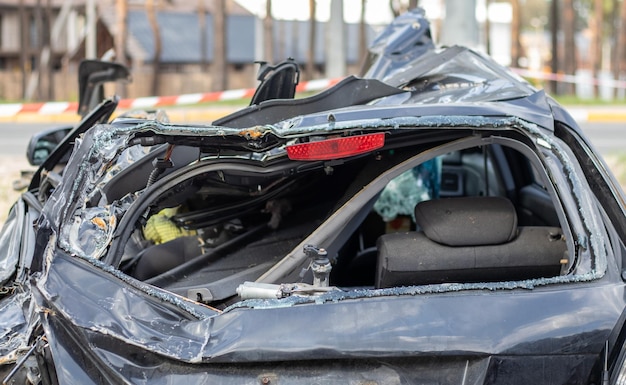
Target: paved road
x=607, y=138
x=15, y=136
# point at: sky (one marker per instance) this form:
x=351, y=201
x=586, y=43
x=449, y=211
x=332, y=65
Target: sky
x=376, y=11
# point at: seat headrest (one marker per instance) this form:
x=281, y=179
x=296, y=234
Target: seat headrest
x=467, y=221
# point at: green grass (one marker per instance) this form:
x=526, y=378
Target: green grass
x=573, y=100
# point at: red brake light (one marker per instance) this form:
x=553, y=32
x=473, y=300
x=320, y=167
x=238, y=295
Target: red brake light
x=336, y=148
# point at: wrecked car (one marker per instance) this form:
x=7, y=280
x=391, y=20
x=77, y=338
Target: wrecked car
x=436, y=220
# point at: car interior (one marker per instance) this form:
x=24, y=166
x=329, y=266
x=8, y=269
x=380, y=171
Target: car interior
x=486, y=217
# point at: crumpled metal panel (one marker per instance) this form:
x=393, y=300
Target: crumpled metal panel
x=508, y=322
x=14, y=325
x=10, y=240
x=102, y=302
x=111, y=329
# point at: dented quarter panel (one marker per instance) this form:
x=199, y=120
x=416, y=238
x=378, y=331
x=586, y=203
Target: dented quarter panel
x=467, y=333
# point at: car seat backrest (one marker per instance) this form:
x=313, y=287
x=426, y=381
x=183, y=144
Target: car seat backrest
x=469, y=239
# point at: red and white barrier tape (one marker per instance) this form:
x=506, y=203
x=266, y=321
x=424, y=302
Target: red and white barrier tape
x=563, y=78
x=55, y=108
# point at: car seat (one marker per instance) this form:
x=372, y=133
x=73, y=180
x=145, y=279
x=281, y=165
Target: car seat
x=468, y=239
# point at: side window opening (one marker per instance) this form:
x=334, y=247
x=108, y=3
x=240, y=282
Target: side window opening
x=210, y=233
x=532, y=247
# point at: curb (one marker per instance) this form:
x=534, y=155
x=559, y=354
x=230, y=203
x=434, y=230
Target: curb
x=193, y=111
x=57, y=112
x=192, y=115
x=598, y=115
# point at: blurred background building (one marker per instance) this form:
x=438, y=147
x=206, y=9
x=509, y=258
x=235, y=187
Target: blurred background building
x=174, y=47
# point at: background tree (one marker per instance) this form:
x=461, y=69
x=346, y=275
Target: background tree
x=554, y=34
x=121, y=34
x=310, y=64
x=47, y=54
x=156, y=35
x=34, y=86
x=220, y=75
x=622, y=42
x=268, y=32
x=204, y=55
x=597, y=27
x=24, y=44
x=569, y=44
x=516, y=46
x=614, y=34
